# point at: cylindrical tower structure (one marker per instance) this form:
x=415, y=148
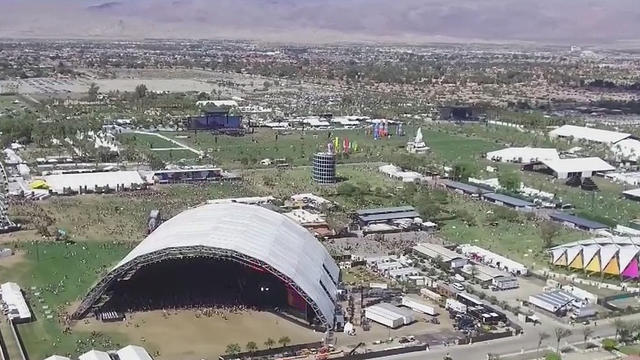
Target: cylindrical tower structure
x=324, y=168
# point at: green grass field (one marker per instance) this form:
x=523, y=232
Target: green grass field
x=117, y=217
x=298, y=148
x=630, y=349
x=519, y=240
x=149, y=141
x=7, y=103
x=61, y=274
x=606, y=203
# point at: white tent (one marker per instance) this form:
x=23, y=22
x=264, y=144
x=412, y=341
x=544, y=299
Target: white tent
x=133, y=352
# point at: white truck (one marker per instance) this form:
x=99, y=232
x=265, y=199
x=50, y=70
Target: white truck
x=456, y=306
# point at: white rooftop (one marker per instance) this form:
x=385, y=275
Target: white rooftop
x=304, y=217
x=253, y=232
x=396, y=172
x=133, y=352
x=590, y=134
x=57, y=357
x=627, y=149
x=13, y=298
x=217, y=103
x=94, y=355
x=633, y=192
x=578, y=165
x=310, y=198
x=492, y=258
x=250, y=200
x=523, y=154
x=75, y=181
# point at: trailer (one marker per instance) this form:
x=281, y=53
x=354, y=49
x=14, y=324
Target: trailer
x=584, y=312
x=456, y=306
x=406, y=315
x=432, y=295
x=505, y=282
x=385, y=318
x=417, y=305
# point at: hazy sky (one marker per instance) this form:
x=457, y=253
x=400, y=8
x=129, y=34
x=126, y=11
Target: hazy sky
x=327, y=20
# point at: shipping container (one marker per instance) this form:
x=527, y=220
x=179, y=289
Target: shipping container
x=384, y=318
x=406, y=315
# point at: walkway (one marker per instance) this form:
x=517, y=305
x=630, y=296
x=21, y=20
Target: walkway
x=9, y=341
x=179, y=144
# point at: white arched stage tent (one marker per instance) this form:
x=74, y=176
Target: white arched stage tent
x=247, y=234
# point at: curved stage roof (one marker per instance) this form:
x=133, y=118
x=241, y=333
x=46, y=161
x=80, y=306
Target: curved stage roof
x=246, y=233
x=618, y=256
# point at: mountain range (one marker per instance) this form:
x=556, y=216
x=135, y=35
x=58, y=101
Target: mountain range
x=403, y=21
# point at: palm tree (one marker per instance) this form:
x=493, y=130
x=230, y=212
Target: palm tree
x=619, y=324
x=141, y=93
x=587, y=332
x=284, y=341
x=251, y=346
x=561, y=333
x=541, y=337
x=233, y=349
x=269, y=343
x=93, y=91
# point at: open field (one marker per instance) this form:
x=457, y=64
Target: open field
x=519, y=240
x=66, y=86
x=298, y=147
x=149, y=141
x=61, y=274
x=607, y=204
x=114, y=217
x=630, y=349
x=182, y=335
x=8, y=105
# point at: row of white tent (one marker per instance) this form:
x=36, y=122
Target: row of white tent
x=129, y=352
x=624, y=145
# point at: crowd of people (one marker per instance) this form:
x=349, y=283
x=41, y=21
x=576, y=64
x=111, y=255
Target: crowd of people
x=179, y=284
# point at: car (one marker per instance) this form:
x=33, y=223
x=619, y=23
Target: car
x=458, y=286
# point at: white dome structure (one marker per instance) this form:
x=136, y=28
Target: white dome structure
x=246, y=234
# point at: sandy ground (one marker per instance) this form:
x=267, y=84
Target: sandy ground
x=181, y=335
x=53, y=86
x=13, y=260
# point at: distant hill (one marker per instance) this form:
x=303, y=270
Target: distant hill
x=327, y=20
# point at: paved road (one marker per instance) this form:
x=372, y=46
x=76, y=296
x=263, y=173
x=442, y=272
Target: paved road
x=526, y=342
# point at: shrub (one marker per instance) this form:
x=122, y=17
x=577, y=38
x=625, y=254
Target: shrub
x=552, y=356
x=609, y=344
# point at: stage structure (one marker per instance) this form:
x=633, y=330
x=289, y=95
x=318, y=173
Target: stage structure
x=259, y=245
